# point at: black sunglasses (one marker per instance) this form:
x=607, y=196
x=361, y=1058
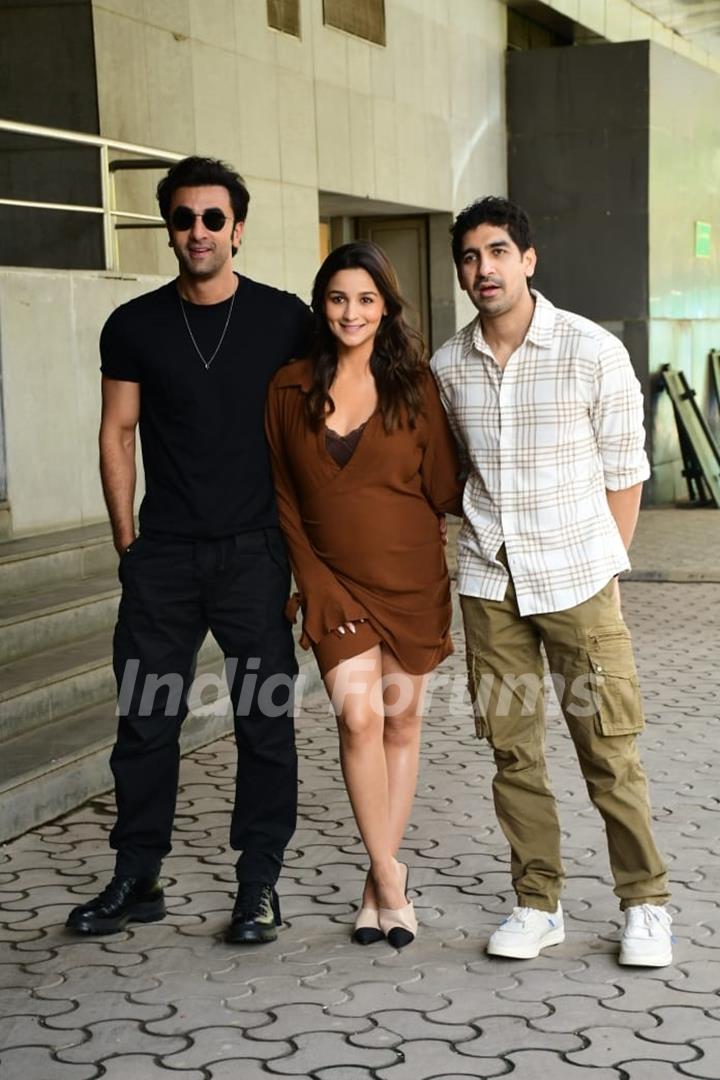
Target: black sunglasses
x=183, y=218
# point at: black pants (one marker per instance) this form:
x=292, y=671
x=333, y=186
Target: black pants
x=173, y=593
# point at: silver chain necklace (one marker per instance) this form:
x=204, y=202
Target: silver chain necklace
x=207, y=363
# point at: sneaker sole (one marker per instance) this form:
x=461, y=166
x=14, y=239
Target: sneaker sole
x=640, y=961
x=518, y=953
x=143, y=913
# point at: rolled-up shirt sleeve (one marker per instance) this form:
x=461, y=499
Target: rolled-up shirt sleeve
x=617, y=418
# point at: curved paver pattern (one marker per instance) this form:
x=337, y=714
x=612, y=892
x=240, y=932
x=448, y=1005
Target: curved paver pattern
x=172, y=1000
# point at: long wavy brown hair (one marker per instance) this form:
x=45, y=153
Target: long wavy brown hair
x=398, y=360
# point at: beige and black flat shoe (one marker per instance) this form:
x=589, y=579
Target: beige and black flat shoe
x=399, y=924
x=367, y=927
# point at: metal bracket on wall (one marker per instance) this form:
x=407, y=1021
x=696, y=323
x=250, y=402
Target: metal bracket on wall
x=701, y=456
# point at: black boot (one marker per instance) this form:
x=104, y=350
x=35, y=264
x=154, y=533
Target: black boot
x=124, y=900
x=256, y=915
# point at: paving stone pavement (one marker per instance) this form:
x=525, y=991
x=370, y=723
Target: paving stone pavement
x=171, y=1000
x=680, y=544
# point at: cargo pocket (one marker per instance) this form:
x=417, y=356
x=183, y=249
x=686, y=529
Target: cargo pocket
x=619, y=705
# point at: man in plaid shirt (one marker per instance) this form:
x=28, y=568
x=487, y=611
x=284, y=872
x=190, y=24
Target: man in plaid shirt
x=548, y=415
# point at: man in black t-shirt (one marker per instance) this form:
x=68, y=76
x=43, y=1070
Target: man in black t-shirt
x=190, y=364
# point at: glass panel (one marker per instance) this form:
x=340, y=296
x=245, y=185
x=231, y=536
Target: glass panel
x=363, y=18
x=284, y=15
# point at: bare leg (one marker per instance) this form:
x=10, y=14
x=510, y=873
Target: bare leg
x=379, y=757
x=403, y=698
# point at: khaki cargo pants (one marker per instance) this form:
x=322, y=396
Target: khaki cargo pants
x=591, y=661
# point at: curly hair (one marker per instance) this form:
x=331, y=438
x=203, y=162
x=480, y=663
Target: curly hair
x=399, y=358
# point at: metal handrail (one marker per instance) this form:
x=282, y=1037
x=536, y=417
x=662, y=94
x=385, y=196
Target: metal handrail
x=150, y=158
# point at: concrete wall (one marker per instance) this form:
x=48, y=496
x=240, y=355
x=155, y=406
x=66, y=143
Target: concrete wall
x=49, y=328
x=578, y=161
x=614, y=151
x=419, y=122
x=684, y=291
x=624, y=20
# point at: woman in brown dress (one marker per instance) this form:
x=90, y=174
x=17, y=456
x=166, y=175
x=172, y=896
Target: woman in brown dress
x=364, y=463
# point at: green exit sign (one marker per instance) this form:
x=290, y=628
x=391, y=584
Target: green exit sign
x=703, y=239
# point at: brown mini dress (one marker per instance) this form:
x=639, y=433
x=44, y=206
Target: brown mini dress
x=363, y=535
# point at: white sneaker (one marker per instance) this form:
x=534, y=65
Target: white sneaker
x=647, y=938
x=528, y=930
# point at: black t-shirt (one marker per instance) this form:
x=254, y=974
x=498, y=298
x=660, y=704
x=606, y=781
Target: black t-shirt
x=207, y=470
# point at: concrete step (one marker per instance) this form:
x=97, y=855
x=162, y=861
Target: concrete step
x=57, y=767
x=35, y=622
x=39, y=689
x=58, y=605
x=5, y=519
x=42, y=562
x=52, y=769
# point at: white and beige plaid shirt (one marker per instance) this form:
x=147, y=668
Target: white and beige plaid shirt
x=542, y=440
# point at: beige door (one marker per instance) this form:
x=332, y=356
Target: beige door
x=404, y=240
x=325, y=239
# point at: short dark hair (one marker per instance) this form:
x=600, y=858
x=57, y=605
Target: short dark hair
x=492, y=210
x=204, y=172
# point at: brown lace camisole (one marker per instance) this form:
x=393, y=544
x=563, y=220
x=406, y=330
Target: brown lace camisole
x=342, y=447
